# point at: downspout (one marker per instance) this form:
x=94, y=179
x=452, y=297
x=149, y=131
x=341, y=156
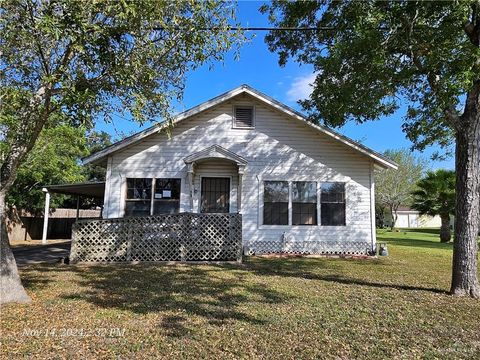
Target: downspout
x=258, y=202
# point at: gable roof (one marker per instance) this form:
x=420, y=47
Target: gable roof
x=243, y=89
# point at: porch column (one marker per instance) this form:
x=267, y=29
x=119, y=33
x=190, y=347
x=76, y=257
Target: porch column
x=45, y=215
x=191, y=181
x=241, y=171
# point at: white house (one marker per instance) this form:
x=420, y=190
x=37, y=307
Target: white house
x=300, y=187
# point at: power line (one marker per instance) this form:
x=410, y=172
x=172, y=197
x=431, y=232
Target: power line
x=248, y=28
x=266, y=28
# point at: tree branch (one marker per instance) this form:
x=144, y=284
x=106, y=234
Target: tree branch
x=43, y=59
x=30, y=127
x=472, y=27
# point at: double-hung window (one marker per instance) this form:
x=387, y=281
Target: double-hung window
x=146, y=196
x=275, y=203
x=304, y=203
x=333, y=204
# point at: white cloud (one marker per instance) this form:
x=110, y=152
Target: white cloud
x=301, y=87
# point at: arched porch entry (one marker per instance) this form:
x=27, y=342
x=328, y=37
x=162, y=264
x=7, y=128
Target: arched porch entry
x=215, y=177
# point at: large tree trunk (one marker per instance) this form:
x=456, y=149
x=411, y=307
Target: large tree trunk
x=11, y=289
x=467, y=212
x=445, y=234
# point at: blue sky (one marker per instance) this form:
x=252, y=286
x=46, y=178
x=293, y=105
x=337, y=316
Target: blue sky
x=259, y=68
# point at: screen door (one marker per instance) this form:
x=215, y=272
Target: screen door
x=215, y=195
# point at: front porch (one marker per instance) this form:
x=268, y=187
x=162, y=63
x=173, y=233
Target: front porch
x=215, y=178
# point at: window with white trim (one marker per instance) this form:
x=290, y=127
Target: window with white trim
x=243, y=117
x=298, y=201
x=275, y=203
x=304, y=203
x=142, y=201
x=332, y=208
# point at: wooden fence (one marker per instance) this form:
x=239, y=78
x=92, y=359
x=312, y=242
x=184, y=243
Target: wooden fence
x=176, y=237
x=25, y=226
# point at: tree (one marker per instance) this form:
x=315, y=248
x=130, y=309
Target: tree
x=436, y=196
x=53, y=160
x=370, y=57
x=393, y=188
x=84, y=60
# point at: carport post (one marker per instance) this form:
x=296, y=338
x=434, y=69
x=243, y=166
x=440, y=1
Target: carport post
x=78, y=207
x=45, y=215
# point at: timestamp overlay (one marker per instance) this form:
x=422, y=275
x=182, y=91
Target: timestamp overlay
x=104, y=332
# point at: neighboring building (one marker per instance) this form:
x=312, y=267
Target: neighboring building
x=409, y=218
x=299, y=187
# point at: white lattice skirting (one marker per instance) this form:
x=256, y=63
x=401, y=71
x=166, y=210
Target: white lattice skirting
x=176, y=237
x=309, y=247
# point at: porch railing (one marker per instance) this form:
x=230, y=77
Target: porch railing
x=176, y=237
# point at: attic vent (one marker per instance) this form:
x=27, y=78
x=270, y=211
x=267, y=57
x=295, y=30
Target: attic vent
x=243, y=117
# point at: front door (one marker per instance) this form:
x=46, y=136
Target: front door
x=215, y=195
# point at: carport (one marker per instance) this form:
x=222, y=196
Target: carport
x=79, y=190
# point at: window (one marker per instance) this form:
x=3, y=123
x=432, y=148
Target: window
x=275, y=203
x=304, y=203
x=304, y=207
x=243, y=117
x=141, y=201
x=139, y=195
x=333, y=204
x=166, y=198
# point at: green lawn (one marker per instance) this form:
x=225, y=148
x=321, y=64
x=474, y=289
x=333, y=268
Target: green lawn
x=394, y=307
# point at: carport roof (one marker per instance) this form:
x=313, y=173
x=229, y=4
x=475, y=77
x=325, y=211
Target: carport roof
x=87, y=189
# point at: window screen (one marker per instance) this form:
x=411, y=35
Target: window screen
x=139, y=195
x=332, y=200
x=243, y=116
x=275, y=203
x=166, y=197
x=304, y=203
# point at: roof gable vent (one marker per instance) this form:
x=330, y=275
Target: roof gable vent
x=243, y=117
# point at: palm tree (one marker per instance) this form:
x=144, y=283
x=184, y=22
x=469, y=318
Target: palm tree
x=436, y=196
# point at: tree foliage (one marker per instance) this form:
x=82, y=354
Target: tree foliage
x=53, y=160
x=393, y=188
x=368, y=56
x=56, y=159
x=435, y=195
x=92, y=59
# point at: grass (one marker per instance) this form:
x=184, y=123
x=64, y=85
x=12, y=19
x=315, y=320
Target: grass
x=395, y=307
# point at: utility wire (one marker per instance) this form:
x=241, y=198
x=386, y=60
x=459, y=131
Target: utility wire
x=233, y=28
x=266, y=28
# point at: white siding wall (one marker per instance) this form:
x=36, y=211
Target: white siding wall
x=279, y=148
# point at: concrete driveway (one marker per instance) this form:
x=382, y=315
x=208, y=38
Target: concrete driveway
x=50, y=253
